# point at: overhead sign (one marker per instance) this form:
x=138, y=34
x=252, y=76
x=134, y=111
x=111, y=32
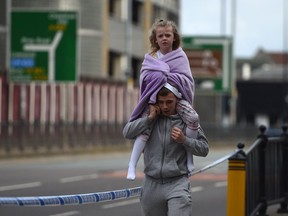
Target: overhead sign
x=43, y=46
x=210, y=61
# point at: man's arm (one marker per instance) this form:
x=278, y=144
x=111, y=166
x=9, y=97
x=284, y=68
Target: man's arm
x=134, y=128
x=138, y=126
x=198, y=146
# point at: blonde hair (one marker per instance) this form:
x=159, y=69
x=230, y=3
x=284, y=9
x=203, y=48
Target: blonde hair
x=154, y=47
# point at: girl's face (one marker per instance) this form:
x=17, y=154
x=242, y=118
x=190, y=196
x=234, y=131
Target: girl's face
x=165, y=39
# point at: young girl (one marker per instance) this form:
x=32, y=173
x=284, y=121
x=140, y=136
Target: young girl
x=166, y=63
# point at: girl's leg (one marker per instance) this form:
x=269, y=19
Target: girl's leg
x=190, y=117
x=190, y=164
x=188, y=114
x=137, y=150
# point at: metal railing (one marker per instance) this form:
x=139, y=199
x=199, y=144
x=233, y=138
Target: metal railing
x=258, y=177
x=267, y=172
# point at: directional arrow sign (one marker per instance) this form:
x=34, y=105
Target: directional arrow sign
x=43, y=46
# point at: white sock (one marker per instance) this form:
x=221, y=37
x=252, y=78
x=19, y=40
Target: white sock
x=137, y=150
x=190, y=163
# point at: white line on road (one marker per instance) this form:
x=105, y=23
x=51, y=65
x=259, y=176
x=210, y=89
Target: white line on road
x=20, y=186
x=66, y=213
x=123, y=203
x=220, y=184
x=196, y=189
x=78, y=178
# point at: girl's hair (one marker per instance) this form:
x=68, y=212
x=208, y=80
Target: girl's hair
x=163, y=23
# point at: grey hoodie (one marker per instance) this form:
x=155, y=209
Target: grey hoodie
x=164, y=159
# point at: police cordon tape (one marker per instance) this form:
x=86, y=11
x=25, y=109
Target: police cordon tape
x=78, y=199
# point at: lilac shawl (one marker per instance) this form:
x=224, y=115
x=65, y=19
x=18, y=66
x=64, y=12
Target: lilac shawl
x=173, y=68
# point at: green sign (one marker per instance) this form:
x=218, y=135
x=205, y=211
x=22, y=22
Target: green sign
x=43, y=46
x=210, y=61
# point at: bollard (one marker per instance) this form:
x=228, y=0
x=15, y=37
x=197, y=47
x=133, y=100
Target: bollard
x=236, y=183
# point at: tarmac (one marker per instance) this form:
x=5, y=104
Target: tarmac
x=219, y=137
x=272, y=211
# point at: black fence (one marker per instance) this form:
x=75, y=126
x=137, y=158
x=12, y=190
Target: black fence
x=267, y=172
x=24, y=139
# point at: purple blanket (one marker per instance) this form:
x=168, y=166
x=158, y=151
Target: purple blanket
x=173, y=68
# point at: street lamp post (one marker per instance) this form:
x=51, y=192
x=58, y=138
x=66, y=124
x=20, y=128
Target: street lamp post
x=285, y=40
x=223, y=17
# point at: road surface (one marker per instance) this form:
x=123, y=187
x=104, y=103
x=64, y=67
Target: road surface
x=78, y=174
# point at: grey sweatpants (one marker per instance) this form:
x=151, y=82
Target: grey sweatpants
x=168, y=199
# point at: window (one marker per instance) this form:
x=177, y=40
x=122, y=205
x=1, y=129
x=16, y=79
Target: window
x=114, y=64
x=136, y=66
x=115, y=8
x=136, y=12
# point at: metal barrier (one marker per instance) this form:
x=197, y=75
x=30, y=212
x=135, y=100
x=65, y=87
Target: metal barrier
x=267, y=173
x=85, y=102
x=23, y=139
x=259, y=177
x=89, y=198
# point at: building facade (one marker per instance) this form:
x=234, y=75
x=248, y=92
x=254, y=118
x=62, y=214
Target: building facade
x=112, y=34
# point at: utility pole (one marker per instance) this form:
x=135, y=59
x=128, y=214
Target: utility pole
x=223, y=17
x=285, y=40
x=233, y=105
x=233, y=19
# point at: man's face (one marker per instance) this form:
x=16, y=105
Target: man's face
x=167, y=104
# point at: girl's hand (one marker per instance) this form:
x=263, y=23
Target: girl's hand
x=154, y=111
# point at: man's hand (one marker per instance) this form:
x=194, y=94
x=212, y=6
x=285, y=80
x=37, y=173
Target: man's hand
x=177, y=135
x=154, y=111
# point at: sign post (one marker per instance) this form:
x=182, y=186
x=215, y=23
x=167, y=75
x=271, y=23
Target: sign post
x=43, y=46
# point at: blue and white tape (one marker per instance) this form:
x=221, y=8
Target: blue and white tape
x=76, y=199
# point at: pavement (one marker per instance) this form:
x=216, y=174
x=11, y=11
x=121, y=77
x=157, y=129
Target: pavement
x=22, y=142
x=272, y=211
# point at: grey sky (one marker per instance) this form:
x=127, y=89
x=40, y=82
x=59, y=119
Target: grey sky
x=259, y=23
